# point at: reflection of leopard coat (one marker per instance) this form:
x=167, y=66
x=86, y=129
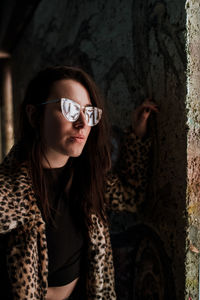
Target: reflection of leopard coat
x=22, y=223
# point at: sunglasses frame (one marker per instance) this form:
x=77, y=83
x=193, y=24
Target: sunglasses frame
x=80, y=108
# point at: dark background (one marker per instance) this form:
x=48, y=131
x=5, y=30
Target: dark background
x=133, y=49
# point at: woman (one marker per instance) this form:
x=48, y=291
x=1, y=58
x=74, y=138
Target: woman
x=53, y=222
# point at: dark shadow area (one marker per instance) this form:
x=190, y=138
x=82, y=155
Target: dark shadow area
x=143, y=269
x=133, y=50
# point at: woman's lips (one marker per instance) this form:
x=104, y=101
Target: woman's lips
x=77, y=138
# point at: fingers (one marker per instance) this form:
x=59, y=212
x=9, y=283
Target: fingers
x=143, y=111
x=141, y=114
x=146, y=108
x=149, y=104
x=150, y=107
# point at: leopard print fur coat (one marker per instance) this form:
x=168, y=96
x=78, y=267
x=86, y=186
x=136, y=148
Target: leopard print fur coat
x=21, y=221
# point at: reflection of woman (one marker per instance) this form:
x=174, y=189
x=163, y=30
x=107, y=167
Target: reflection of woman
x=52, y=191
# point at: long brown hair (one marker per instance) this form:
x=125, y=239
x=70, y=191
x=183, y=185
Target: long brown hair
x=86, y=184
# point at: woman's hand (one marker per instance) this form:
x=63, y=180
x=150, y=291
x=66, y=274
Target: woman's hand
x=141, y=115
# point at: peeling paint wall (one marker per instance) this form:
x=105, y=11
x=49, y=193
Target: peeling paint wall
x=133, y=49
x=193, y=149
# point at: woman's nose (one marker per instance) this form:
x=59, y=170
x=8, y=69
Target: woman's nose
x=80, y=122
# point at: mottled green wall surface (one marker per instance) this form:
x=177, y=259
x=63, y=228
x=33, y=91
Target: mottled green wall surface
x=133, y=49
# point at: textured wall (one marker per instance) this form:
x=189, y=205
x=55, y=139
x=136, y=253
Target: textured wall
x=193, y=152
x=159, y=64
x=133, y=49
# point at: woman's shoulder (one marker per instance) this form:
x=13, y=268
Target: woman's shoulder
x=15, y=181
x=17, y=199
x=13, y=171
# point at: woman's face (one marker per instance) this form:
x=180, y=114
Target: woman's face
x=61, y=137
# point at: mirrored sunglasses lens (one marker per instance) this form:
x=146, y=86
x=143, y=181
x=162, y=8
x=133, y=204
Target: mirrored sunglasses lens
x=92, y=115
x=70, y=110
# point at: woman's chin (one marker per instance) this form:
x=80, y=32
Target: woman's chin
x=75, y=152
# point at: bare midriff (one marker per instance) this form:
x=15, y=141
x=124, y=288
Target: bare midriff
x=61, y=292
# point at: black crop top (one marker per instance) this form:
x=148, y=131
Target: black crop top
x=64, y=239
